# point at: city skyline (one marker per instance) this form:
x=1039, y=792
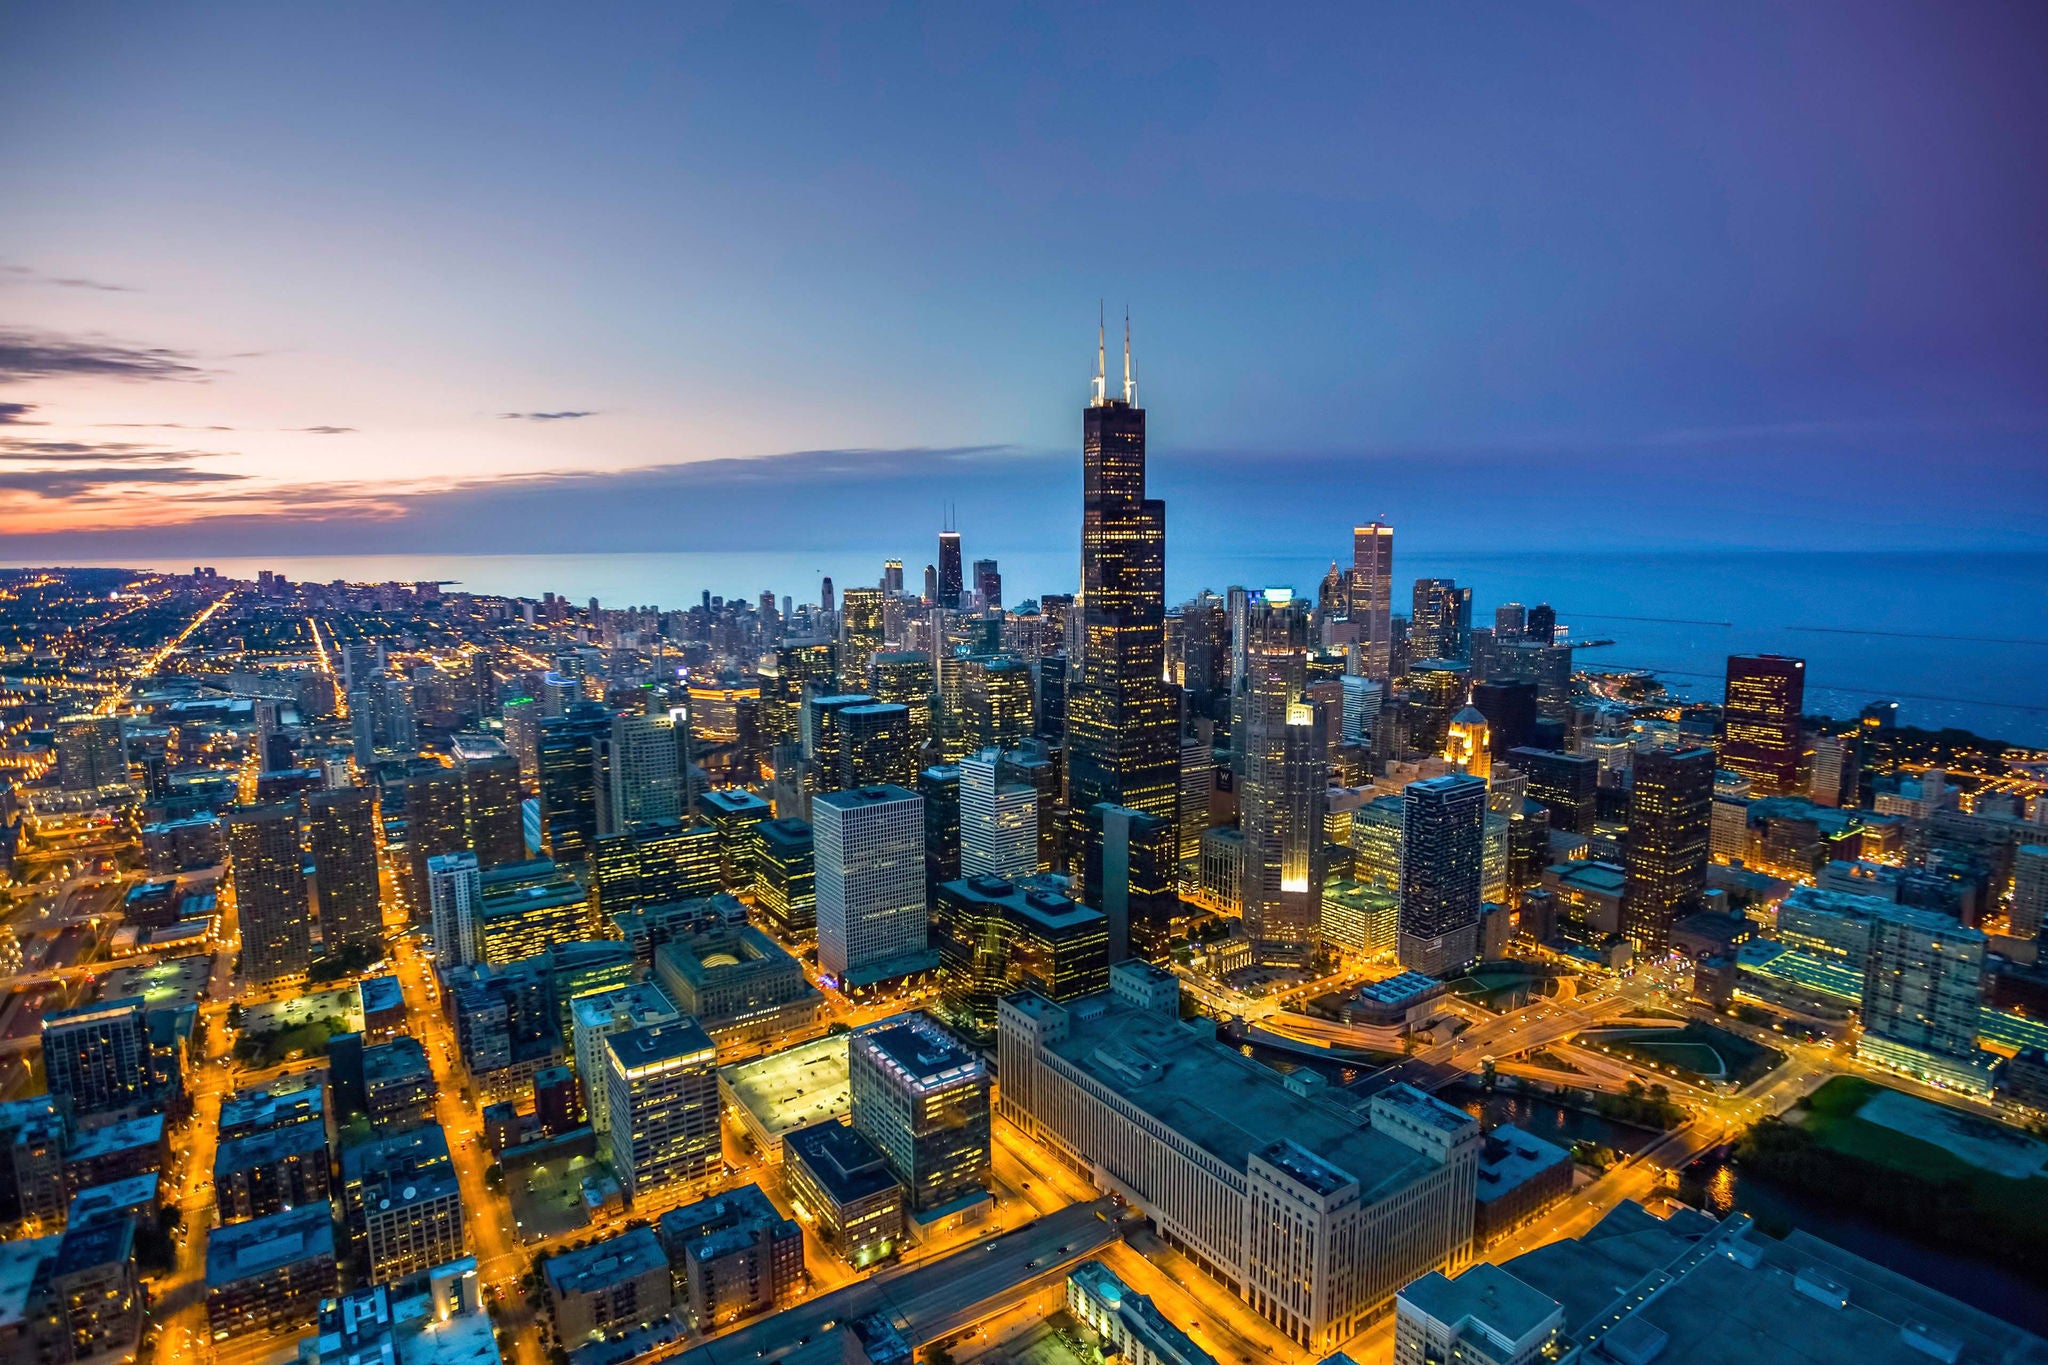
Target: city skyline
x=575, y=295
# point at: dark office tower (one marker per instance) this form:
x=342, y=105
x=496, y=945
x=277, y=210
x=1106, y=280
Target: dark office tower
x=1670, y=815
x=826, y=602
x=1133, y=866
x=1510, y=619
x=1123, y=719
x=1436, y=692
x=860, y=632
x=1510, y=711
x=483, y=685
x=940, y=788
x=1285, y=782
x=341, y=837
x=931, y=585
x=798, y=665
x=436, y=822
x=1443, y=837
x=824, y=738
x=97, y=1058
x=1760, y=723
x=1440, y=626
x=1567, y=785
x=950, y=584
x=492, y=799
x=996, y=701
x=1371, y=597
x=1204, y=652
x=1049, y=704
x=876, y=746
x=267, y=872
x=905, y=677
x=572, y=773
x=1541, y=625
x=988, y=583
x=785, y=878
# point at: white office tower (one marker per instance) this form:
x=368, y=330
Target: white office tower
x=998, y=820
x=453, y=890
x=869, y=855
x=646, y=776
x=1362, y=698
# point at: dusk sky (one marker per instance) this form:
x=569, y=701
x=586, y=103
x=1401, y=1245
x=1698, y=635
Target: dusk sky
x=353, y=278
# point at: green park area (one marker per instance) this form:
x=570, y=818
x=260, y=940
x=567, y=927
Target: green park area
x=284, y=1030
x=1927, y=1170
x=1695, y=1052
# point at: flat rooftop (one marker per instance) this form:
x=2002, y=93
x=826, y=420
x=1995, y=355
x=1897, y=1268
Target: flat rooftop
x=381, y=993
x=850, y=1167
x=275, y=1144
x=1401, y=989
x=1223, y=1101
x=117, y=1137
x=791, y=1089
x=1735, y=1295
x=1510, y=1157
x=1484, y=1293
x=161, y=985
x=262, y=1245
x=918, y=1048
x=1046, y=908
x=658, y=1043
x=606, y=1263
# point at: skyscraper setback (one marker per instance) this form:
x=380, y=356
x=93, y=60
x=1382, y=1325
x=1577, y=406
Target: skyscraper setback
x=1123, y=718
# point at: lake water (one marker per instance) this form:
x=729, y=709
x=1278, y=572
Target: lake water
x=1956, y=639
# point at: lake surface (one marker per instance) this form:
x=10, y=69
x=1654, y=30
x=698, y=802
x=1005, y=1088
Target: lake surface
x=1956, y=639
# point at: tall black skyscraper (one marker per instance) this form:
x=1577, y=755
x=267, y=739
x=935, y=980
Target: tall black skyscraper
x=949, y=570
x=1123, y=718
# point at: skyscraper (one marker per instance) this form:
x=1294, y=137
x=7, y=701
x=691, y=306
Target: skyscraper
x=950, y=584
x=996, y=701
x=266, y=871
x=923, y=1099
x=998, y=820
x=1372, y=596
x=661, y=1085
x=905, y=677
x=91, y=752
x=860, y=632
x=1510, y=619
x=1123, y=719
x=1670, y=828
x=1285, y=781
x=643, y=768
x=876, y=745
x=341, y=838
x=453, y=890
x=1542, y=624
x=869, y=853
x=1436, y=692
x=988, y=584
x=1133, y=867
x=1441, y=624
x=572, y=750
x=491, y=798
x=1760, y=722
x=1443, y=835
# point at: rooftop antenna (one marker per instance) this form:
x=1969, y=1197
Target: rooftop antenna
x=1101, y=356
x=1130, y=381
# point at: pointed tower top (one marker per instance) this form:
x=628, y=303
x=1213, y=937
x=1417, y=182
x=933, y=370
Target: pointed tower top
x=1130, y=380
x=1101, y=394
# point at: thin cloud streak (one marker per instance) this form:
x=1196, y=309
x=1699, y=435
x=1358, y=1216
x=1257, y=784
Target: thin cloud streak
x=46, y=355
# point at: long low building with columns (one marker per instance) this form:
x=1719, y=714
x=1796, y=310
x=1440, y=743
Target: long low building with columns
x=1314, y=1207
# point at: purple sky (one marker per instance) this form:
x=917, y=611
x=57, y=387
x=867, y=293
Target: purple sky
x=372, y=277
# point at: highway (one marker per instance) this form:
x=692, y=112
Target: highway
x=932, y=1299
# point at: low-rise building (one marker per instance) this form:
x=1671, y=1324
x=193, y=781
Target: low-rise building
x=1520, y=1175
x=94, y=1294
x=742, y=988
x=842, y=1184
x=270, y=1273
x=733, y=1255
x=1408, y=1000
x=1485, y=1316
x=398, y=1083
x=266, y=1173
x=1130, y=1327
x=621, y=1282
x=444, y=1324
x=773, y=1096
x=115, y=1151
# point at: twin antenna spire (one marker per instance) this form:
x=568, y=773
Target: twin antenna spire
x=1102, y=360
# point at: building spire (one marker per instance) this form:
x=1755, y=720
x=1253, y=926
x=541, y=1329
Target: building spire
x=1130, y=381
x=1101, y=357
